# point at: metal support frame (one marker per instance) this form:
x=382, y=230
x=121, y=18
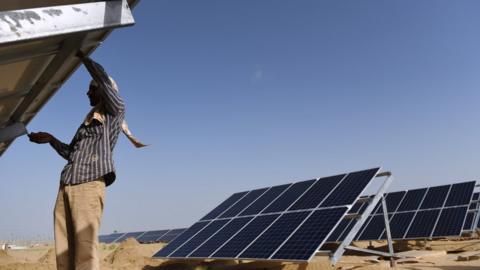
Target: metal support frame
x=72, y=23
x=35, y=23
x=476, y=218
x=391, y=254
x=12, y=131
x=345, y=244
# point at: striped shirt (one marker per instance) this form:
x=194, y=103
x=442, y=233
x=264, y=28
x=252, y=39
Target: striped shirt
x=89, y=154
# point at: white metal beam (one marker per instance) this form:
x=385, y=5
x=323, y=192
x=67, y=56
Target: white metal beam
x=28, y=24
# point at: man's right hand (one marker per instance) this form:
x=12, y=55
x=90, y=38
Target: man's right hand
x=41, y=137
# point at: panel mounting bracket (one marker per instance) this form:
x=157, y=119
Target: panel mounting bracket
x=379, y=195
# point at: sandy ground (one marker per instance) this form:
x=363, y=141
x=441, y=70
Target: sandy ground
x=431, y=255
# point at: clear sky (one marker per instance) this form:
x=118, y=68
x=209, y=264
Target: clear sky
x=236, y=95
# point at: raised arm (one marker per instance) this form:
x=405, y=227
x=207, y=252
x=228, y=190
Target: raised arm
x=112, y=100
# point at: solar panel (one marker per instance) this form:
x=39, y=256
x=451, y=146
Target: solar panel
x=374, y=229
x=440, y=211
x=218, y=239
x=171, y=235
x=460, y=194
x=315, y=195
x=303, y=244
x=450, y=221
x=393, y=201
x=130, y=235
x=224, y=205
x=423, y=223
x=243, y=203
x=412, y=200
x=286, y=222
x=435, y=197
x=264, y=200
x=240, y=241
x=172, y=246
x=275, y=235
x=110, y=238
x=290, y=196
x=151, y=236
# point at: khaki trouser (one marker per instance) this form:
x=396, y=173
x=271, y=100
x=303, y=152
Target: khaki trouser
x=77, y=215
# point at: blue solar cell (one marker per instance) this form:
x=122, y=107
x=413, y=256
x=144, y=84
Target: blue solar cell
x=221, y=237
x=284, y=201
x=274, y=236
x=310, y=235
x=450, y=222
x=460, y=194
x=339, y=230
x=392, y=200
x=224, y=205
x=435, y=197
x=412, y=200
x=171, y=235
x=350, y=188
x=243, y=203
x=399, y=224
x=423, y=223
x=476, y=195
x=199, y=238
x=364, y=225
x=374, y=229
x=264, y=200
x=347, y=230
x=250, y=232
x=315, y=195
x=181, y=239
x=151, y=236
x=468, y=225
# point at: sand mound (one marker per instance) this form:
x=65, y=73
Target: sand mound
x=49, y=257
x=128, y=252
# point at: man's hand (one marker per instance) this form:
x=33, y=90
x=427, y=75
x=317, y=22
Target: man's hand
x=80, y=55
x=41, y=137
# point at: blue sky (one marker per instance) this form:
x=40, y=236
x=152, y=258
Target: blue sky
x=236, y=95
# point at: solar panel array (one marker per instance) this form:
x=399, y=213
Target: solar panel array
x=142, y=237
x=286, y=222
x=440, y=211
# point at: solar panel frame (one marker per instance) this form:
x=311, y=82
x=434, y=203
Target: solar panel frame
x=171, y=235
x=394, y=215
x=213, y=243
x=243, y=203
x=217, y=254
x=224, y=206
x=264, y=201
x=152, y=236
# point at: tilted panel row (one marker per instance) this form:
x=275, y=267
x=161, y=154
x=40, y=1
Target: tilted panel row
x=433, y=212
x=286, y=222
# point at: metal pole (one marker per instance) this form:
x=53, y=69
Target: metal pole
x=363, y=217
x=387, y=229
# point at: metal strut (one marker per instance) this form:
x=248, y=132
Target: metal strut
x=345, y=244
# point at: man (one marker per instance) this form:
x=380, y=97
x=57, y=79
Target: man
x=89, y=169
